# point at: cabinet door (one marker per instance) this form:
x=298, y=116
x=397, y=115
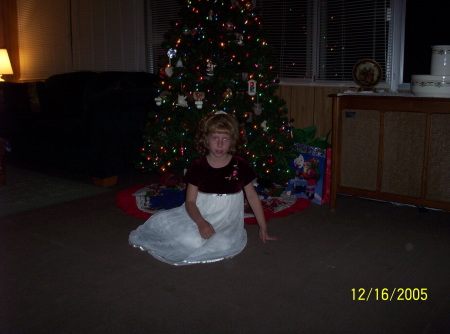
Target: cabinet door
x=438, y=172
x=403, y=153
x=359, y=148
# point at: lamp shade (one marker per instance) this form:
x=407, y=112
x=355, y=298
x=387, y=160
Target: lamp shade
x=5, y=64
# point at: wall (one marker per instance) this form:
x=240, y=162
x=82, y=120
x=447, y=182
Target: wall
x=9, y=36
x=2, y=30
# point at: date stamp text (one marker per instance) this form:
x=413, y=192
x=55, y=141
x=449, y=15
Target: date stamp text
x=389, y=294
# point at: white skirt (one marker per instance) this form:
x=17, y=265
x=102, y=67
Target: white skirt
x=172, y=236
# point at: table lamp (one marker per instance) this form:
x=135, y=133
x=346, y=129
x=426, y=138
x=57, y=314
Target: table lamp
x=5, y=64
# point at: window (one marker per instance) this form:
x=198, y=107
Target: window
x=160, y=14
x=320, y=41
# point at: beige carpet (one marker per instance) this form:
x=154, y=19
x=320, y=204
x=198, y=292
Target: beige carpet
x=27, y=190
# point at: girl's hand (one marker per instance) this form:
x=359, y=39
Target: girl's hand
x=264, y=236
x=206, y=230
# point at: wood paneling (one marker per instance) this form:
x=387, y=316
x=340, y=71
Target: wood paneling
x=323, y=109
x=309, y=105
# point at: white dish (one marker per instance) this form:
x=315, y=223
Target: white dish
x=426, y=85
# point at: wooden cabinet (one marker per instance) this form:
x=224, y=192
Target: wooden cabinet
x=392, y=148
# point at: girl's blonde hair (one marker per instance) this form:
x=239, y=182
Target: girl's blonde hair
x=219, y=123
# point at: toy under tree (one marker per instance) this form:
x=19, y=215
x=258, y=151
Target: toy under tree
x=218, y=59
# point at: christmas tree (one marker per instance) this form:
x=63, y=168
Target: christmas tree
x=218, y=59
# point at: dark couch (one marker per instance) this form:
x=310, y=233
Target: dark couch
x=82, y=122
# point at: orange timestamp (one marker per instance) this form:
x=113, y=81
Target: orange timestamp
x=386, y=294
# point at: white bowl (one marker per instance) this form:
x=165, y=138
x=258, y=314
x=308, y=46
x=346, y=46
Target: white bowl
x=426, y=85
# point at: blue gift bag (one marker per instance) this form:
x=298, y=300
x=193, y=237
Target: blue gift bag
x=309, y=167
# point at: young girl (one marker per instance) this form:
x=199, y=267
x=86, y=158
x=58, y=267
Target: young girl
x=209, y=226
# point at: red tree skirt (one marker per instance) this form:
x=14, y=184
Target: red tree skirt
x=274, y=207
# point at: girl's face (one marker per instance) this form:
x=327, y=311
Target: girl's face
x=219, y=144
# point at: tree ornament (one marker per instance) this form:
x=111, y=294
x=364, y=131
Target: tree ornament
x=171, y=53
x=229, y=26
x=199, y=104
x=180, y=63
x=239, y=39
x=162, y=72
x=210, y=15
x=210, y=68
x=198, y=96
x=182, y=101
x=169, y=70
x=251, y=87
x=228, y=94
x=257, y=109
x=249, y=6
x=166, y=72
x=264, y=125
x=158, y=101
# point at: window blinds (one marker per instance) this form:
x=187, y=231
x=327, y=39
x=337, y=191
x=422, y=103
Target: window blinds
x=322, y=40
x=108, y=35
x=160, y=14
x=351, y=30
x=289, y=26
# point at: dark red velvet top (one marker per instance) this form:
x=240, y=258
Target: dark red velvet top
x=226, y=180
